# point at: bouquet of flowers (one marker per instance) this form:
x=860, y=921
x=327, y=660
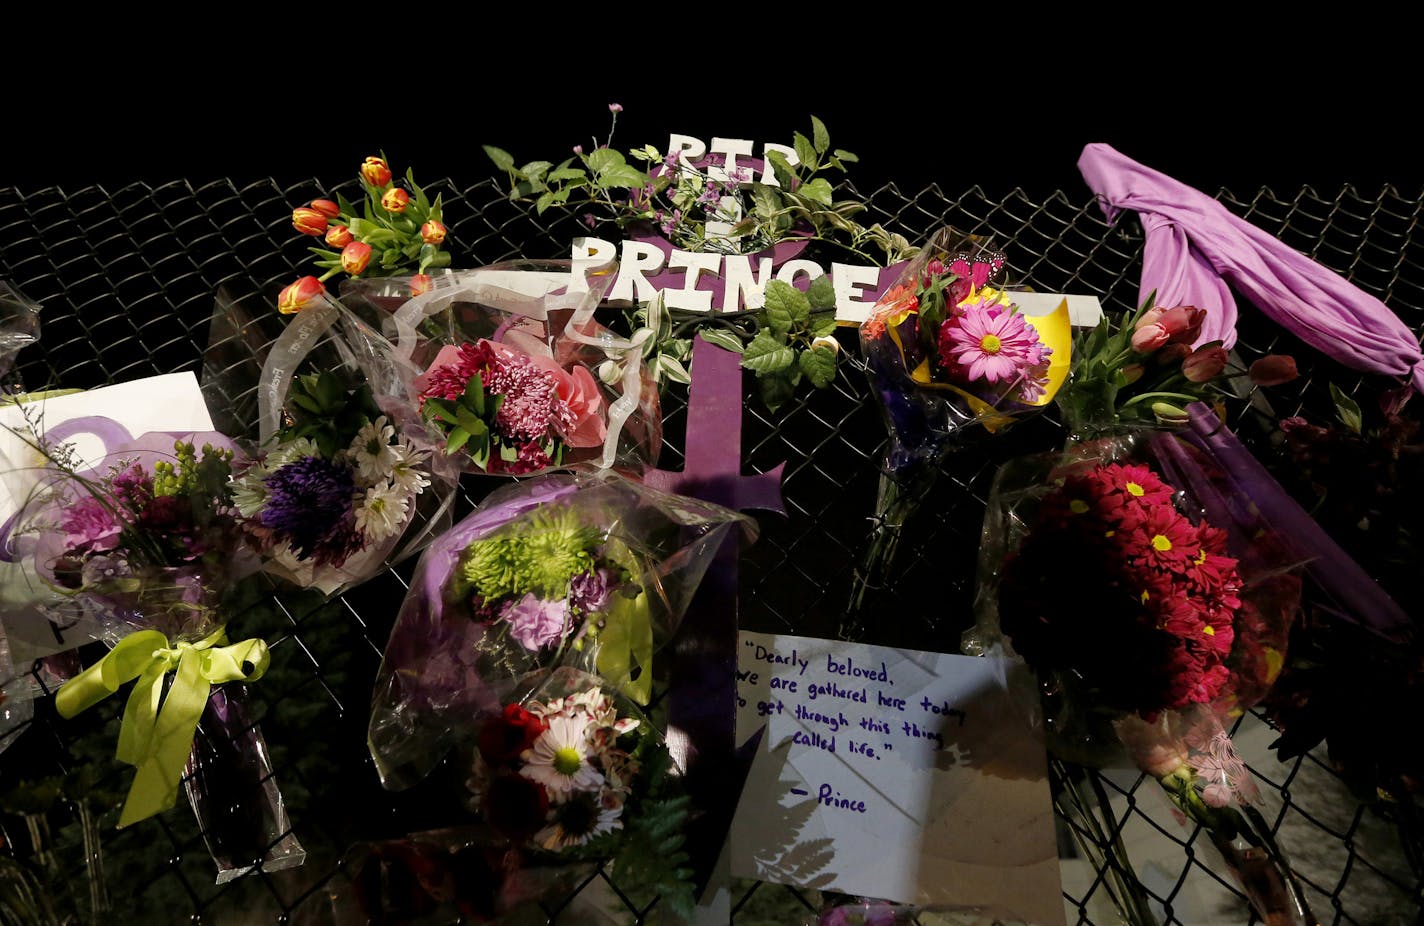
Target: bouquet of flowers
x=1192, y=598
x=588, y=569
x=330, y=490
x=946, y=352
x=563, y=772
x=147, y=544
x=500, y=370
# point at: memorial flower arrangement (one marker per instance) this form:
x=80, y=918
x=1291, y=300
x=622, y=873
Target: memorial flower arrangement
x=508, y=411
x=337, y=482
x=1142, y=367
x=948, y=352
x=590, y=570
x=394, y=232
x=149, y=544
x=1192, y=599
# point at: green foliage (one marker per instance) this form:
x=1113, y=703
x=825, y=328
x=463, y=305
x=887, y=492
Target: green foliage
x=321, y=407
x=794, y=340
x=1347, y=409
x=682, y=200
x=652, y=861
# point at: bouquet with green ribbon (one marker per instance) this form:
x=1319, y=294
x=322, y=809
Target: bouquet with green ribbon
x=145, y=546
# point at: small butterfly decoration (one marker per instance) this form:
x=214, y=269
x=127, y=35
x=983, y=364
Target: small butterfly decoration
x=973, y=270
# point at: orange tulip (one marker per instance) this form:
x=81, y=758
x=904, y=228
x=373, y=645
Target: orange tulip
x=433, y=232
x=326, y=207
x=338, y=236
x=376, y=171
x=420, y=283
x=355, y=256
x=395, y=200
x=297, y=295
x=308, y=221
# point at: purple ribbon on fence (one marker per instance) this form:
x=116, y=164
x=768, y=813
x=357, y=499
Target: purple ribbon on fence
x=703, y=701
x=1196, y=251
x=1240, y=494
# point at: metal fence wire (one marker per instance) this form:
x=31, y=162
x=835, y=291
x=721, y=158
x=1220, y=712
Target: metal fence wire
x=128, y=278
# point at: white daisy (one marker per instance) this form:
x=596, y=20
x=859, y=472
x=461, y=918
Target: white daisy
x=372, y=451
x=558, y=759
x=406, y=472
x=579, y=817
x=382, y=513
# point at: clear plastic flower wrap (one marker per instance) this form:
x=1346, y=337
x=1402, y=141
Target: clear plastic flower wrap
x=1154, y=601
x=144, y=548
x=19, y=324
x=561, y=773
x=511, y=373
x=333, y=489
x=589, y=569
x=948, y=354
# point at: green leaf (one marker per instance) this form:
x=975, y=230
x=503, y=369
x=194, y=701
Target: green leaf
x=502, y=159
x=819, y=136
x=545, y=200
x=786, y=306
x=805, y=151
x=457, y=439
x=821, y=294
x=1347, y=409
x=766, y=202
x=674, y=370
x=844, y=155
x=624, y=176
x=781, y=168
x=776, y=391
x=823, y=324
x=567, y=173
x=722, y=338
x=535, y=170
x=819, y=365
x=767, y=354
x=601, y=160
x=818, y=190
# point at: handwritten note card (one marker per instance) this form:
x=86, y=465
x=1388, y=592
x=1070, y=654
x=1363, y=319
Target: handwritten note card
x=897, y=774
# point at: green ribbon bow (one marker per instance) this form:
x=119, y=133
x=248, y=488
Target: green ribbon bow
x=157, y=738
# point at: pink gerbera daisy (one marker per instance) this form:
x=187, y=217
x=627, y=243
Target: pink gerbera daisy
x=994, y=346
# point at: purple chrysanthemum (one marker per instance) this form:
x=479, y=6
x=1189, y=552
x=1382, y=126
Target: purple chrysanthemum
x=309, y=501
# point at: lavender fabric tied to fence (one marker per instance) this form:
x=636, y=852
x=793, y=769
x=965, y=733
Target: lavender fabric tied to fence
x=1195, y=248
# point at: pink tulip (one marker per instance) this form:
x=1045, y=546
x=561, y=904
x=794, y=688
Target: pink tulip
x=1205, y=363
x=1273, y=370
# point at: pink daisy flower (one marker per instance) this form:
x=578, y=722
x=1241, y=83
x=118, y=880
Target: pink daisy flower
x=993, y=346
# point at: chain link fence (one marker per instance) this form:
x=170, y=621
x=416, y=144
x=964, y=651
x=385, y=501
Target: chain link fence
x=128, y=278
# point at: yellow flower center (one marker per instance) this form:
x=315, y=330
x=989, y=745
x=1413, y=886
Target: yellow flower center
x=1109, y=533
x=1201, y=557
x=1145, y=596
x=1209, y=630
x=990, y=344
x=1077, y=506
x=1160, y=543
x=567, y=760
x=1135, y=490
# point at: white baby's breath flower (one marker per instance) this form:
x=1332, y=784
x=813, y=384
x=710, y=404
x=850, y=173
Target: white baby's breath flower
x=372, y=451
x=406, y=473
x=382, y=513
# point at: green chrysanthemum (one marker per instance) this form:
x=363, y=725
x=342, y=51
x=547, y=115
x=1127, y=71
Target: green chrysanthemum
x=550, y=548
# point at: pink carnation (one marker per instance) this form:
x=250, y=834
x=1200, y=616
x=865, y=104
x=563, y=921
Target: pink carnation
x=536, y=623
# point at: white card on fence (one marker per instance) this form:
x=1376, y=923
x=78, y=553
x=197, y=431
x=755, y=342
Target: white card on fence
x=896, y=774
